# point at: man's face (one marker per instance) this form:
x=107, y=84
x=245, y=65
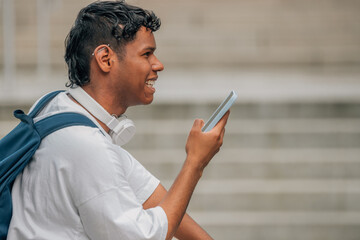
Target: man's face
x=136, y=72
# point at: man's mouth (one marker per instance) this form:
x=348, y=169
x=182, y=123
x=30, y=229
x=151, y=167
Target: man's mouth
x=150, y=83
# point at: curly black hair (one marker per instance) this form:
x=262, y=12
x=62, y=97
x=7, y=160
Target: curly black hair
x=107, y=22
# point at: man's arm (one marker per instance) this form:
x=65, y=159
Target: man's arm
x=200, y=149
x=188, y=228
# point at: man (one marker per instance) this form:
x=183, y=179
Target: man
x=79, y=184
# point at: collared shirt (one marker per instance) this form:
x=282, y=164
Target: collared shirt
x=79, y=185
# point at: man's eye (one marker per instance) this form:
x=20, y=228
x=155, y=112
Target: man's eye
x=147, y=54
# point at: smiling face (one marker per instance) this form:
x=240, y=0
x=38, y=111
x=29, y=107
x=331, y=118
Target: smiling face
x=133, y=75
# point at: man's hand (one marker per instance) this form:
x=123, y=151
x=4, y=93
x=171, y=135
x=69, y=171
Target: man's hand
x=201, y=147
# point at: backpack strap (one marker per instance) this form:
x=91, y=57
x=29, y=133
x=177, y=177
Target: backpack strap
x=42, y=103
x=55, y=122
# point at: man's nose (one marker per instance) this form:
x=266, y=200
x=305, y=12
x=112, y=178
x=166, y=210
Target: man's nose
x=157, y=65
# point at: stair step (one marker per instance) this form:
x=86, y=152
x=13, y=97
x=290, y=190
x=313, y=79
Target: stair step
x=243, y=110
x=249, y=140
x=280, y=195
x=273, y=218
x=280, y=225
x=259, y=164
x=281, y=201
x=287, y=133
x=229, y=155
x=275, y=195
x=275, y=186
x=255, y=126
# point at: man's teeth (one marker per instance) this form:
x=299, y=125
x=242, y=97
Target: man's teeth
x=150, y=83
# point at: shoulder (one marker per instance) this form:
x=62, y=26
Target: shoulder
x=78, y=145
x=83, y=143
x=84, y=160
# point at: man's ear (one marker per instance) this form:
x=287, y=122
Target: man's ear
x=104, y=55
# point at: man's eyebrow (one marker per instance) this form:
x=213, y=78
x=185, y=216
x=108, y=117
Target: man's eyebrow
x=152, y=49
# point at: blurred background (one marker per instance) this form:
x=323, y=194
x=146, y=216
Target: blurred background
x=290, y=164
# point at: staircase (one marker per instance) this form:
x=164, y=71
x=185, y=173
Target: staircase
x=285, y=171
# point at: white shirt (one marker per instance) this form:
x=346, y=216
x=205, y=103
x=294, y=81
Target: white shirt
x=79, y=185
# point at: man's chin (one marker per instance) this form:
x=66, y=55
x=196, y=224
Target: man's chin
x=148, y=99
x=145, y=101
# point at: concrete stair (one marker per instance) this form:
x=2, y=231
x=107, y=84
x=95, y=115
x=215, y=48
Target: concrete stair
x=285, y=171
x=281, y=225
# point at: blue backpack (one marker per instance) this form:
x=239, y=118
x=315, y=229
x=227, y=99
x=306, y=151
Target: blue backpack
x=18, y=147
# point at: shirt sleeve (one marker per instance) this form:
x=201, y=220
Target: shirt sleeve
x=115, y=215
x=141, y=181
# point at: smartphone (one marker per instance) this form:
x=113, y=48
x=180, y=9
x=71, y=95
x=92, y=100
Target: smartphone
x=220, y=112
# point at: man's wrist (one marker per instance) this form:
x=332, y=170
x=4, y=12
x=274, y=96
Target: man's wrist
x=191, y=166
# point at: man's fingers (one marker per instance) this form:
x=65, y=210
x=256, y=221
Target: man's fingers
x=198, y=123
x=222, y=133
x=221, y=124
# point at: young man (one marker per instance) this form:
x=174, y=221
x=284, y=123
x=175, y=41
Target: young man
x=79, y=184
